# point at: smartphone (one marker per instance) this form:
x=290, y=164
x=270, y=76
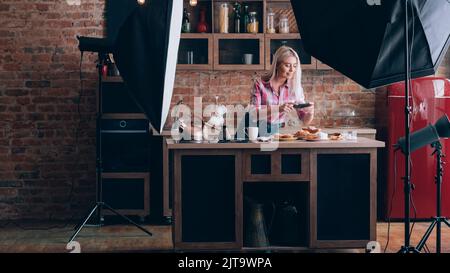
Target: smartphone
x=302, y=105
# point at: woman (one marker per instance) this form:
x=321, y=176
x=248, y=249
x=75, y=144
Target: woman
x=276, y=93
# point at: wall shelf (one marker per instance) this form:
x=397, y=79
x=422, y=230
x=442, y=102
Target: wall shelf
x=114, y=79
x=223, y=51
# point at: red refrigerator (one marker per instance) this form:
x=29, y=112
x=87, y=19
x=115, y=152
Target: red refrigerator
x=430, y=100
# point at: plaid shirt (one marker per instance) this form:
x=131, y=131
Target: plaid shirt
x=264, y=94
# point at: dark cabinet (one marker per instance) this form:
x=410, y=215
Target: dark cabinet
x=125, y=151
x=345, y=213
x=207, y=205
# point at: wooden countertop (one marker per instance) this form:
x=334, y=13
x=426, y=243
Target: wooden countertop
x=166, y=133
x=361, y=142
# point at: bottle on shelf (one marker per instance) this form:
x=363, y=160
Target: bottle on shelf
x=202, y=26
x=223, y=18
x=237, y=17
x=270, y=28
x=284, y=24
x=106, y=62
x=186, y=25
x=253, y=24
x=245, y=18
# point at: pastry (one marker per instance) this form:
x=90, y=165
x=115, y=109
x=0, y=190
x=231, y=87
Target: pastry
x=336, y=136
x=301, y=134
x=312, y=137
x=311, y=129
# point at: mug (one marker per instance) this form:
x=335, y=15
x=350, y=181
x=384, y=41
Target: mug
x=248, y=58
x=252, y=133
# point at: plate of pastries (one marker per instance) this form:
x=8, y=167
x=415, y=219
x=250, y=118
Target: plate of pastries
x=284, y=137
x=308, y=133
x=336, y=136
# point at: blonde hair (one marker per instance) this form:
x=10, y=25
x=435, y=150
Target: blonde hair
x=280, y=55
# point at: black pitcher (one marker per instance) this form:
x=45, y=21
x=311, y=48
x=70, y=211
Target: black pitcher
x=285, y=229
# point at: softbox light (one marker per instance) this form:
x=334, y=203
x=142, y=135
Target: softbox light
x=146, y=39
x=443, y=127
x=427, y=135
x=366, y=42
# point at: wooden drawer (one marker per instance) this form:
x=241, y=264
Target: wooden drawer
x=128, y=193
x=280, y=165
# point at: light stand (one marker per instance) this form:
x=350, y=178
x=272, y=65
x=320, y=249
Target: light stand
x=407, y=248
x=438, y=219
x=99, y=199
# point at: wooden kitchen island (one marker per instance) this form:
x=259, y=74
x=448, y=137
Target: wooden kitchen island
x=331, y=183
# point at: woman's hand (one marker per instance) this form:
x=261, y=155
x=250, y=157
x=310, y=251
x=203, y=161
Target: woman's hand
x=309, y=114
x=286, y=108
x=309, y=109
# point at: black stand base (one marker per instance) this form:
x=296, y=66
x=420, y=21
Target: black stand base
x=100, y=206
x=409, y=249
x=436, y=223
x=438, y=220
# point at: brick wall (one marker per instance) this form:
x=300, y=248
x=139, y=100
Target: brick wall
x=47, y=146
x=46, y=171
x=329, y=90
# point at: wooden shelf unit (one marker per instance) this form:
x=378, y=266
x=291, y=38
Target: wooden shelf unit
x=125, y=183
x=215, y=50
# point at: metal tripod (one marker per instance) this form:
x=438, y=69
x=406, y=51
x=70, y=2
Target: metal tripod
x=407, y=248
x=99, y=203
x=438, y=219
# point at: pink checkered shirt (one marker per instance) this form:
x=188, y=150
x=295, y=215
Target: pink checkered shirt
x=264, y=94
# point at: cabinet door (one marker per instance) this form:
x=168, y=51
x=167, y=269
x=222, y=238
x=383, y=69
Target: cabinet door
x=127, y=193
x=344, y=200
x=208, y=201
x=280, y=165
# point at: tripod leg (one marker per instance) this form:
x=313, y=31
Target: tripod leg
x=84, y=223
x=446, y=222
x=425, y=237
x=128, y=219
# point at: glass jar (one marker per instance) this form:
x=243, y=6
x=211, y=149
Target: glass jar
x=253, y=24
x=270, y=28
x=223, y=18
x=284, y=24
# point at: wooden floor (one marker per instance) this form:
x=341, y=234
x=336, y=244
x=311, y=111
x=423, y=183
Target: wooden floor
x=122, y=238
